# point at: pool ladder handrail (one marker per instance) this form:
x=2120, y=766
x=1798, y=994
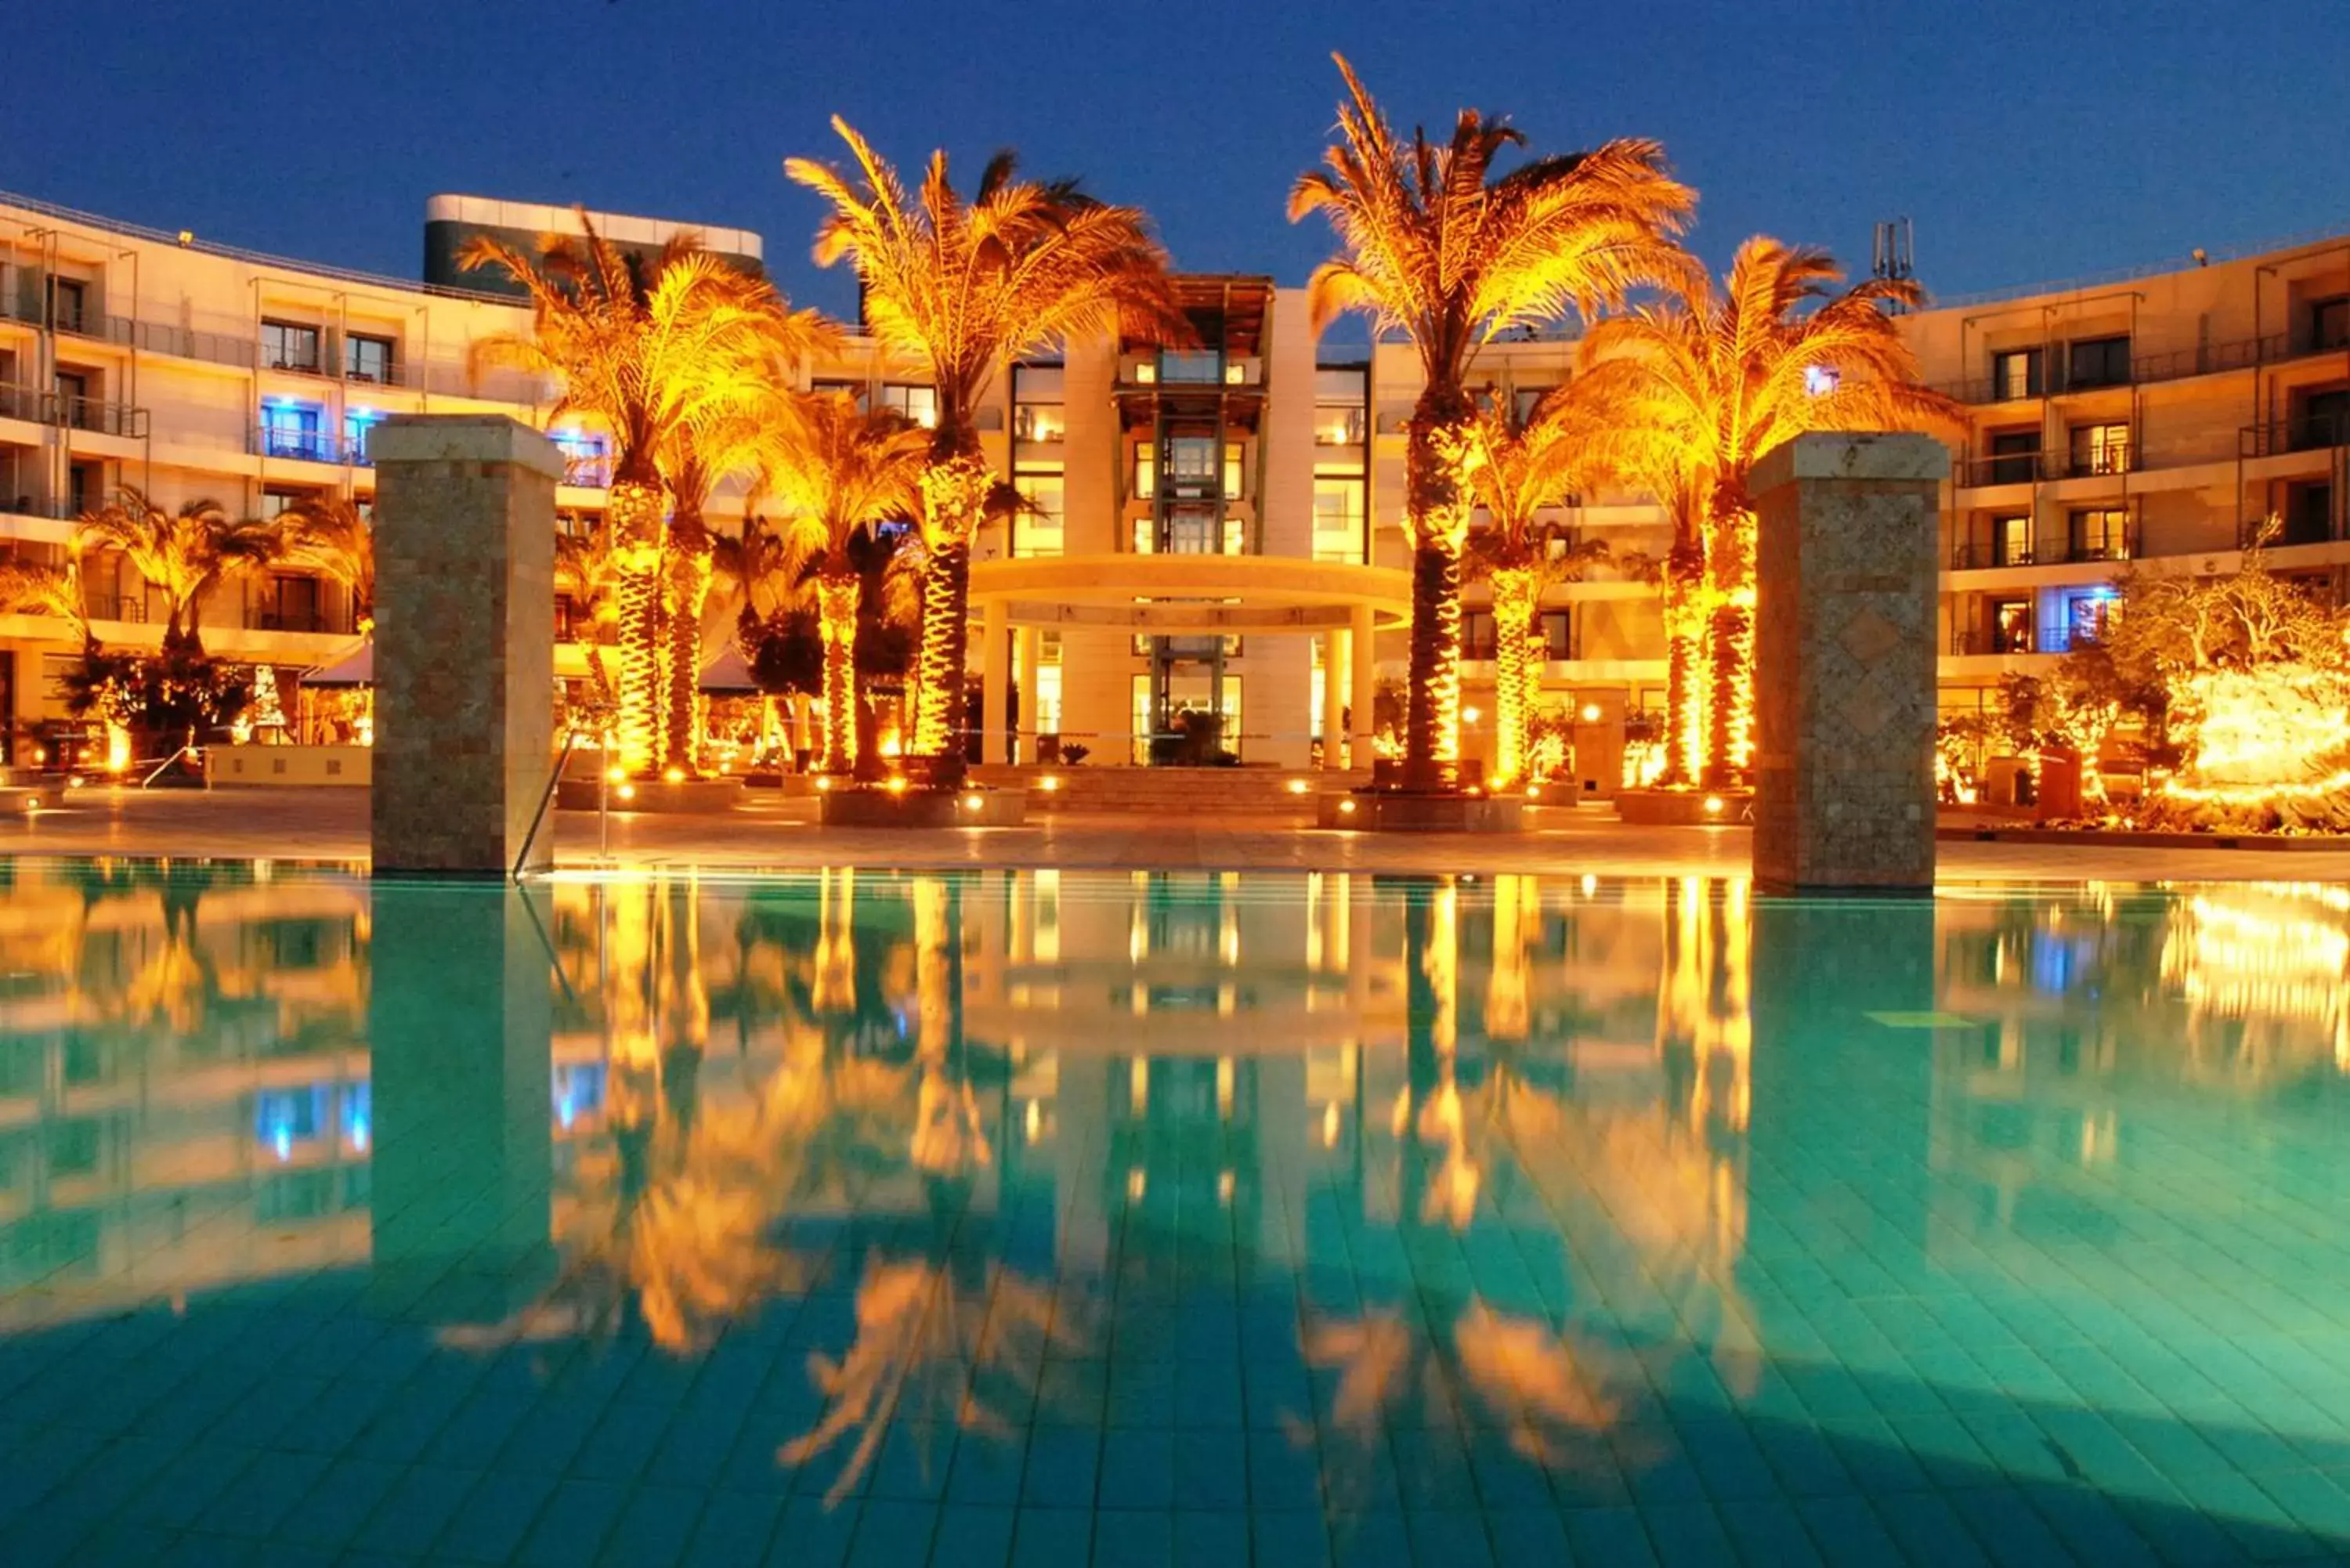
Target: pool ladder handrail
x=554, y=782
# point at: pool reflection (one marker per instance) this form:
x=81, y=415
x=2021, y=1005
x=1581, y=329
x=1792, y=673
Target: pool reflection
x=1422, y=1191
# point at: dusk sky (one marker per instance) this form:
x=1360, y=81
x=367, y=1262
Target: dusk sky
x=2028, y=142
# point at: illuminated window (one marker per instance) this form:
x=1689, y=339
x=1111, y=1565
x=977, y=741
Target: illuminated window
x=1039, y=532
x=2011, y=626
x=1479, y=638
x=2010, y=540
x=1338, y=533
x=1234, y=487
x=2086, y=617
x=1190, y=463
x=358, y=425
x=2101, y=449
x=1145, y=471
x=1819, y=381
x=2098, y=534
x=2015, y=373
x=1045, y=422
x=295, y=430
x=919, y=404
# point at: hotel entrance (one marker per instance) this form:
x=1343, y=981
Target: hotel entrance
x=1187, y=710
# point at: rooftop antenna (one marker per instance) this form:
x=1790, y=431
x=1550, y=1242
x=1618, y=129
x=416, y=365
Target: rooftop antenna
x=1892, y=255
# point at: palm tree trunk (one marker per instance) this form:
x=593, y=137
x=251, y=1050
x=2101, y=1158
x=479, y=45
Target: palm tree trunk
x=1432, y=732
x=1730, y=647
x=690, y=567
x=1514, y=606
x=634, y=517
x=835, y=598
x=954, y=498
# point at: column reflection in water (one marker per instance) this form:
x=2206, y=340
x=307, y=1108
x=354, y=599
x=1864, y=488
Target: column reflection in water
x=460, y=1025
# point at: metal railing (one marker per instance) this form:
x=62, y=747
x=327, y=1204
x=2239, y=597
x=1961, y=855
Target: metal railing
x=1978, y=555
x=2310, y=433
x=2120, y=547
x=94, y=415
x=587, y=473
x=2004, y=468
x=2111, y=461
x=306, y=445
x=22, y=403
x=1972, y=641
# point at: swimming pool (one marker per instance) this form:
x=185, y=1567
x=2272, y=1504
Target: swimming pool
x=1035, y=1217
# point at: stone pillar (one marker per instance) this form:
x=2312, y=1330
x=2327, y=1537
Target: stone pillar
x=995, y=678
x=1844, y=655
x=1336, y=659
x=1362, y=644
x=1032, y=682
x=1599, y=744
x=460, y=1024
x=465, y=642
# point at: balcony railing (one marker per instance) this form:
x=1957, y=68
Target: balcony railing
x=1978, y=641
x=2103, y=463
x=2004, y=468
x=2120, y=547
x=1980, y=556
x=22, y=403
x=2168, y=365
x=587, y=473
x=95, y=414
x=288, y=441
x=2310, y=433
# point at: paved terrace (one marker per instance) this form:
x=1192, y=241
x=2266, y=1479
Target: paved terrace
x=768, y=834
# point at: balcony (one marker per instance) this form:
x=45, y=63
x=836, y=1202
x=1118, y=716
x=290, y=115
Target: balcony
x=590, y=473
x=22, y=403
x=1982, y=555
x=2103, y=461
x=2309, y=432
x=294, y=442
x=1341, y=427
x=2112, y=546
x=95, y=414
x=1976, y=642
x=2003, y=468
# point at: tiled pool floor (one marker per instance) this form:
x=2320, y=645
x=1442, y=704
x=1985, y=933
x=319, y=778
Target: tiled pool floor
x=1054, y=1220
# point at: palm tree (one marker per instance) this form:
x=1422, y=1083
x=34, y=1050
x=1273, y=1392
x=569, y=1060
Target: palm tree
x=1694, y=391
x=29, y=588
x=649, y=346
x=1434, y=244
x=1516, y=472
x=326, y=534
x=838, y=474
x=967, y=287
x=186, y=553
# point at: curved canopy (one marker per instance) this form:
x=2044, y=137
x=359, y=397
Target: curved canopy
x=356, y=668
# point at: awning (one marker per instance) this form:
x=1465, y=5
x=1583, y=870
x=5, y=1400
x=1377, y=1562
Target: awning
x=729, y=673
x=356, y=668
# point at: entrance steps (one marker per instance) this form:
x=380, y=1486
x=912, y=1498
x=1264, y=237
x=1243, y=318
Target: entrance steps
x=1173, y=792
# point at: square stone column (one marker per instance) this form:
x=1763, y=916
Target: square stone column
x=995, y=680
x=465, y=642
x=1363, y=654
x=1844, y=662
x=1029, y=656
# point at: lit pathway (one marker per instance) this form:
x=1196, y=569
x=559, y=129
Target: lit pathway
x=331, y=825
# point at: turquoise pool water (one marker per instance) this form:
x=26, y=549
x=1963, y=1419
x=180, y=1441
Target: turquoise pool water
x=1153, y=1219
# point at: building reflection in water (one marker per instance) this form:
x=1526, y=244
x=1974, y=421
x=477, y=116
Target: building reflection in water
x=1394, y=1153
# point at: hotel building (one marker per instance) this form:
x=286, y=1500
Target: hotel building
x=1215, y=531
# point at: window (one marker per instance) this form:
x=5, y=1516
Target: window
x=1479, y=637
x=1235, y=485
x=1339, y=426
x=1145, y=471
x=2086, y=617
x=291, y=603
x=367, y=358
x=74, y=405
x=1192, y=531
x=2010, y=540
x=2015, y=373
x=919, y=404
x=2101, y=449
x=1523, y=400
x=2324, y=421
x=2098, y=534
x=2098, y=362
x=2329, y=323
x=358, y=425
x=294, y=429
x=277, y=500
x=1039, y=423
x=2308, y=515
x=1190, y=463
x=1191, y=369
x=1558, y=635
x=1338, y=520
x=1039, y=533
x=69, y=304
x=586, y=459
x=2011, y=626
x=289, y=346
x=2014, y=457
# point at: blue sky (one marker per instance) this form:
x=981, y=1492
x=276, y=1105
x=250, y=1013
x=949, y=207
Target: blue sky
x=2027, y=141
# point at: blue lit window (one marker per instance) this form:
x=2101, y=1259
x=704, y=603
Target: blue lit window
x=1820, y=379
x=578, y=1091
x=358, y=425
x=358, y=1118
x=586, y=459
x=286, y=1118
x=289, y=428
